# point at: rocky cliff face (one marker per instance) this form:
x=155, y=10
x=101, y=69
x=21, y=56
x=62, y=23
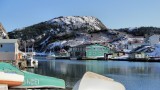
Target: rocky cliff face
x=3, y=33
x=85, y=23
x=44, y=34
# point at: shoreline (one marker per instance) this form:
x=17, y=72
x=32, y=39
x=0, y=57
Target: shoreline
x=104, y=59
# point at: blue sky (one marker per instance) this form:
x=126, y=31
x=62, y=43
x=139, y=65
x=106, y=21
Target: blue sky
x=113, y=13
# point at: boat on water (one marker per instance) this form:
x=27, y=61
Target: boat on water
x=10, y=75
x=31, y=62
x=51, y=56
x=93, y=81
x=40, y=55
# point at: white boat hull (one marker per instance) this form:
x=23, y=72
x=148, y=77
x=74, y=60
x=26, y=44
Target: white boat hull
x=50, y=57
x=11, y=79
x=92, y=81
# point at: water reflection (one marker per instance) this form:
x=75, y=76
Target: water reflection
x=131, y=74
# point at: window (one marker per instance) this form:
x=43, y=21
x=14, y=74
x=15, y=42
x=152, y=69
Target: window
x=87, y=48
x=1, y=45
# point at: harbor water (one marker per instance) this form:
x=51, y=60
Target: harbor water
x=133, y=75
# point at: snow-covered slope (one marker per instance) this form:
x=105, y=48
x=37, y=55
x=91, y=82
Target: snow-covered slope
x=87, y=23
x=156, y=51
x=83, y=38
x=151, y=51
x=73, y=30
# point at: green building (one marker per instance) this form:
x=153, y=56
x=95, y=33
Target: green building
x=90, y=51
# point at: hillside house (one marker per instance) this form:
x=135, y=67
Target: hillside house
x=134, y=43
x=90, y=51
x=152, y=39
x=138, y=55
x=9, y=49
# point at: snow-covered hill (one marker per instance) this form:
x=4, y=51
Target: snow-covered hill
x=70, y=30
x=87, y=23
x=76, y=30
x=155, y=52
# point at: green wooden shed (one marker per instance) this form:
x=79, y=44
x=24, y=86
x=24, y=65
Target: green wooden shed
x=89, y=51
x=96, y=51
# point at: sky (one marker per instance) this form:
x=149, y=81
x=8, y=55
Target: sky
x=113, y=13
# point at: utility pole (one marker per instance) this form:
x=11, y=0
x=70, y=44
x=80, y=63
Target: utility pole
x=25, y=46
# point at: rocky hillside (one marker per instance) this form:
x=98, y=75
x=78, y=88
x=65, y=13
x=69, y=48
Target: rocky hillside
x=3, y=33
x=61, y=30
x=140, y=31
x=72, y=31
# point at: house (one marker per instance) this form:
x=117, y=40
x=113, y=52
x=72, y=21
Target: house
x=62, y=53
x=89, y=51
x=152, y=39
x=115, y=55
x=78, y=51
x=134, y=43
x=9, y=49
x=138, y=55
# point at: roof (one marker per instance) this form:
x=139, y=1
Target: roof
x=83, y=45
x=8, y=40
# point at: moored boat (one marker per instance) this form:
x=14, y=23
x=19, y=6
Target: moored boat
x=10, y=75
x=93, y=81
x=11, y=79
x=51, y=56
x=17, y=79
x=32, y=62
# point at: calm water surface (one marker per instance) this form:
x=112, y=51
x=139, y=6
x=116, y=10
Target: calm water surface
x=133, y=75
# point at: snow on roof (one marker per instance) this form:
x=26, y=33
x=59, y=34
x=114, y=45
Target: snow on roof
x=156, y=52
x=8, y=40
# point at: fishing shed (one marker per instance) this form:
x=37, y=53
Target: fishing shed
x=9, y=49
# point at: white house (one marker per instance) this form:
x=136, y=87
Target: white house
x=9, y=49
x=132, y=46
x=152, y=39
x=134, y=43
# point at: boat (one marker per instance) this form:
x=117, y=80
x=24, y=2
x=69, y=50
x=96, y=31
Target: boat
x=32, y=62
x=93, y=81
x=17, y=79
x=10, y=75
x=40, y=54
x=39, y=81
x=51, y=56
